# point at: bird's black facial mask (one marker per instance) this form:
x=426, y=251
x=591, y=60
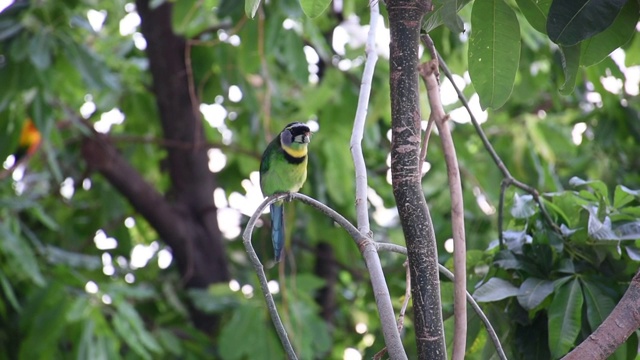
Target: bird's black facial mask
x=296, y=133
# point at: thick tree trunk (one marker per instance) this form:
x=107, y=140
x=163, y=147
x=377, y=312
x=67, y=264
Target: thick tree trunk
x=188, y=224
x=404, y=22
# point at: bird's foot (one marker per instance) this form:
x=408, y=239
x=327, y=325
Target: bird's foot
x=289, y=197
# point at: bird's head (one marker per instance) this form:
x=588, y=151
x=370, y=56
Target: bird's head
x=295, y=135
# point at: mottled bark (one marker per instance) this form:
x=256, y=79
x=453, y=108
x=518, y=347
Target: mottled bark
x=404, y=21
x=188, y=222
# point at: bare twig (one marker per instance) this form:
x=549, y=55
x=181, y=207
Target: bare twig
x=428, y=72
x=474, y=305
x=362, y=214
x=367, y=248
x=504, y=184
x=496, y=159
x=403, y=309
x=407, y=296
x=387, y=317
x=425, y=143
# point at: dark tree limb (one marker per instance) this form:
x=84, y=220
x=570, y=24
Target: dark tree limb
x=188, y=224
x=615, y=329
x=404, y=22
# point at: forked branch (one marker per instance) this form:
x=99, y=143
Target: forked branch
x=508, y=178
x=368, y=250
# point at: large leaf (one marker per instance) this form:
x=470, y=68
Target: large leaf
x=570, y=22
x=495, y=289
x=536, y=13
x=249, y=320
x=40, y=48
x=599, y=305
x=533, y=291
x=597, y=185
x=314, y=8
x=565, y=318
x=251, y=7
x=623, y=195
x=619, y=33
x=494, y=51
x=444, y=12
x=570, y=56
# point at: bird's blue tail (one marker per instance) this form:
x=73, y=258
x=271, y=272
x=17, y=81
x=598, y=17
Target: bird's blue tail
x=277, y=229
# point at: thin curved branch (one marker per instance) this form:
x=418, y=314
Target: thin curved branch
x=494, y=155
x=262, y=278
x=429, y=73
x=362, y=213
x=474, y=305
x=366, y=246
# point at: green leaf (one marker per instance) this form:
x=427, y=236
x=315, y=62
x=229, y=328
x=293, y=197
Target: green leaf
x=40, y=50
x=132, y=329
x=535, y=11
x=7, y=291
x=565, y=318
x=58, y=256
x=127, y=333
x=249, y=319
x=619, y=33
x=533, y=291
x=523, y=206
x=251, y=7
x=216, y=298
x=599, y=305
x=314, y=8
x=570, y=22
x=494, y=51
x=192, y=17
x=570, y=56
x=338, y=163
x=599, y=229
x=495, y=289
x=443, y=13
x=20, y=256
x=598, y=186
x=9, y=27
x=94, y=72
x=628, y=231
x=623, y=195
x=313, y=337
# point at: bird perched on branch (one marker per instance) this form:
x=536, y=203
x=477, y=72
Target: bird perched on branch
x=283, y=169
x=29, y=142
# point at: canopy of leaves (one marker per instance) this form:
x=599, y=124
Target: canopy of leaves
x=84, y=275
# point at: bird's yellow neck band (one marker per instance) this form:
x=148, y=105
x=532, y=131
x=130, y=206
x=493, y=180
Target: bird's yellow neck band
x=301, y=150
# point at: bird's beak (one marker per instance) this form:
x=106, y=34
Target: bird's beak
x=307, y=138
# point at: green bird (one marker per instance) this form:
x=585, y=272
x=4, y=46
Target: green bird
x=283, y=169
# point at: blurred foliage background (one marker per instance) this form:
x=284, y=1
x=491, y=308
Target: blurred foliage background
x=84, y=275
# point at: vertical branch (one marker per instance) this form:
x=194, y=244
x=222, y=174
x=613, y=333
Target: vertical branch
x=404, y=22
x=428, y=73
x=362, y=214
x=367, y=248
